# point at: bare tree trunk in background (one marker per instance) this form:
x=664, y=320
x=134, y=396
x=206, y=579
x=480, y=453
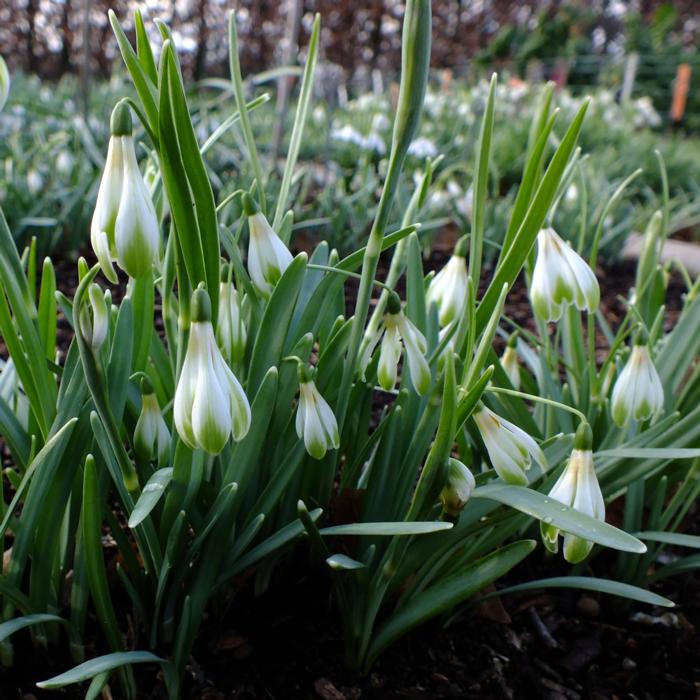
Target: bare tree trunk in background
x=31, y=20
x=66, y=38
x=200, y=63
x=85, y=67
x=284, y=87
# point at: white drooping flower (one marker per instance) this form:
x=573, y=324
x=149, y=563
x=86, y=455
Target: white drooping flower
x=315, y=421
x=151, y=435
x=136, y=230
x=4, y=83
x=510, y=448
x=576, y=487
x=561, y=278
x=448, y=289
x=124, y=226
x=509, y=362
x=230, y=329
x=638, y=392
x=64, y=163
x=394, y=329
x=94, y=329
x=210, y=403
x=458, y=488
x=35, y=182
x=268, y=256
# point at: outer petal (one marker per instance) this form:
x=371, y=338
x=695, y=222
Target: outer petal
x=239, y=406
x=415, y=344
x=109, y=193
x=389, y=355
x=184, y=393
x=211, y=410
x=100, y=244
x=136, y=231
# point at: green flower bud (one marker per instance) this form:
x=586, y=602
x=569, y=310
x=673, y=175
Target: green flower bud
x=459, y=486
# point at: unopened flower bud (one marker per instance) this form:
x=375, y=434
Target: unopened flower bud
x=459, y=486
x=448, y=289
x=509, y=362
x=230, y=330
x=268, y=257
x=315, y=421
x=638, y=392
x=151, y=435
x=94, y=329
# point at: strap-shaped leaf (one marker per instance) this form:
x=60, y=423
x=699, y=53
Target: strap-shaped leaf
x=561, y=516
x=400, y=528
x=150, y=495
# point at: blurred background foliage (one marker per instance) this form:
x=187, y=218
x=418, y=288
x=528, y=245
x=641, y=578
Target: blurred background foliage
x=66, y=79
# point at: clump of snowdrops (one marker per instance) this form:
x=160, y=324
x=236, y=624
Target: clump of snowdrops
x=209, y=417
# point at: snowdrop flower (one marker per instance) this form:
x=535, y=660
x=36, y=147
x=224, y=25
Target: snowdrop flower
x=209, y=401
x=315, y=422
x=95, y=330
x=448, y=289
x=422, y=148
x=638, y=392
x=35, y=182
x=230, y=330
x=510, y=448
x=4, y=83
x=509, y=361
x=576, y=487
x=560, y=278
x=458, y=488
x=268, y=257
x=151, y=435
x=64, y=163
x=395, y=328
x=124, y=225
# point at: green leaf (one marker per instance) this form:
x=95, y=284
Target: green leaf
x=561, y=516
x=447, y=593
x=144, y=87
x=195, y=171
x=387, y=529
x=512, y=259
x=589, y=583
x=481, y=183
x=102, y=664
x=267, y=351
x=677, y=539
x=651, y=453
x=299, y=121
x=18, y=623
x=150, y=496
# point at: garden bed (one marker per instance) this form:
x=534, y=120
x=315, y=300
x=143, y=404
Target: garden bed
x=550, y=645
